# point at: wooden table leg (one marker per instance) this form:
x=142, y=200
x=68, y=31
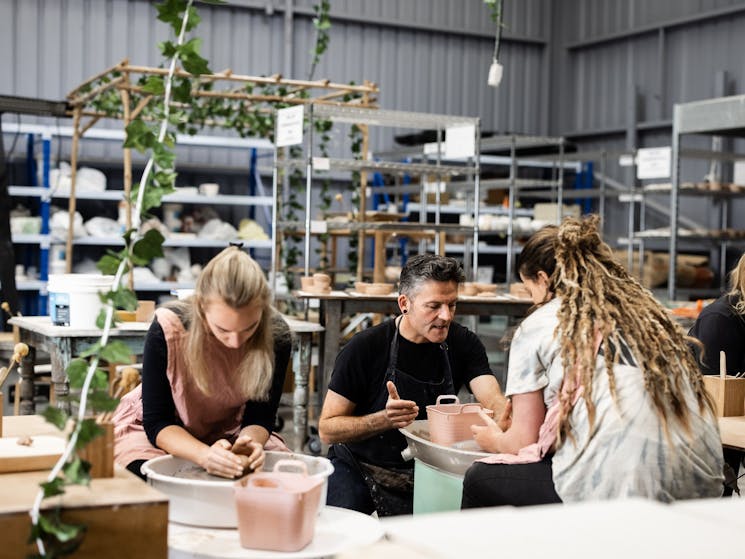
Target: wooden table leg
x=300, y=395
x=26, y=386
x=60, y=356
x=331, y=321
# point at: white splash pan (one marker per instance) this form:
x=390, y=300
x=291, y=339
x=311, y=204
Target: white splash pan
x=454, y=459
x=209, y=502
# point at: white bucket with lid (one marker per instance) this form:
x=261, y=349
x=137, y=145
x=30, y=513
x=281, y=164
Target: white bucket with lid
x=74, y=300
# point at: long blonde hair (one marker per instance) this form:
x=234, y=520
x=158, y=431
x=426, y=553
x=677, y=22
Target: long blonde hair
x=236, y=279
x=737, y=285
x=597, y=294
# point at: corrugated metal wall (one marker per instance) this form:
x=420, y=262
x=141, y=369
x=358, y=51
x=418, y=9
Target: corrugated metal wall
x=606, y=73
x=426, y=55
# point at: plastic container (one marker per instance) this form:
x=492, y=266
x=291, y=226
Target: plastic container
x=451, y=423
x=208, y=501
x=436, y=490
x=277, y=510
x=74, y=298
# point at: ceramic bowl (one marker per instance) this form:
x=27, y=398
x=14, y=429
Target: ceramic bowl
x=379, y=289
x=482, y=287
x=321, y=280
x=468, y=288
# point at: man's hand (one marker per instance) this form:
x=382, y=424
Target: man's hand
x=399, y=413
x=487, y=436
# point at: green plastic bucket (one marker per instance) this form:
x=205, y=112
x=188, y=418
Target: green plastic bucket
x=435, y=490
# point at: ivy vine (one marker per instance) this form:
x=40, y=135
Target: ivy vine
x=89, y=394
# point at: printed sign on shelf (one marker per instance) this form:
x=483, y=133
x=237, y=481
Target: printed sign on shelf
x=653, y=163
x=460, y=141
x=289, y=126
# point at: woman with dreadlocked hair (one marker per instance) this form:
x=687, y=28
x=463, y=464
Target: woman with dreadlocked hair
x=607, y=399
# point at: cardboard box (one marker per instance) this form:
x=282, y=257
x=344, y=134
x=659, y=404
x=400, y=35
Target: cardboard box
x=728, y=394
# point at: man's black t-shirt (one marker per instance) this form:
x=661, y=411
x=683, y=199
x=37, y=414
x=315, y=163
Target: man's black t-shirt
x=361, y=365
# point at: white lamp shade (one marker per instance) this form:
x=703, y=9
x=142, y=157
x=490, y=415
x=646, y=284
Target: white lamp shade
x=495, y=74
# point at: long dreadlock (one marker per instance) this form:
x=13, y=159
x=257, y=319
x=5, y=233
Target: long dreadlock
x=598, y=296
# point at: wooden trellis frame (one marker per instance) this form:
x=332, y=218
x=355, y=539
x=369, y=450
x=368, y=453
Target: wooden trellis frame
x=225, y=85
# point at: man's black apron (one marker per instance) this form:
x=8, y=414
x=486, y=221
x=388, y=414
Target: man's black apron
x=378, y=459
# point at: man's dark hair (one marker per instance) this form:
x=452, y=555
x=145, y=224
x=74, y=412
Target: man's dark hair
x=429, y=267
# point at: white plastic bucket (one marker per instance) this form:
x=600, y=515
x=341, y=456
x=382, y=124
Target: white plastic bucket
x=73, y=298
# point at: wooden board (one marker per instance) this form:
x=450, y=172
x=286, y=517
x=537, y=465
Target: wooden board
x=125, y=517
x=42, y=454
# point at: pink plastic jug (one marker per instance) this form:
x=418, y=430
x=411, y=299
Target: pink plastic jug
x=277, y=510
x=451, y=423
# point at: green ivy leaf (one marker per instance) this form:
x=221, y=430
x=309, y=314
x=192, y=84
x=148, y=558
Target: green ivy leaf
x=101, y=401
x=163, y=157
x=89, y=430
x=77, y=471
x=140, y=136
x=100, y=380
x=101, y=318
x=53, y=488
x=154, y=85
x=92, y=350
x=109, y=263
x=55, y=416
x=116, y=352
x=170, y=12
x=59, y=530
x=149, y=247
x=190, y=58
x=122, y=298
x=77, y=370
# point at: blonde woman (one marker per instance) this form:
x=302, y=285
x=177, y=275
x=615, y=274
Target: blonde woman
x=607, y=400
x=721, y=326
x=212, y=374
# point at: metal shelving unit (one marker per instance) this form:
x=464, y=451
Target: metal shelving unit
x=366, y=117
x=46, y=194
x=723, y=116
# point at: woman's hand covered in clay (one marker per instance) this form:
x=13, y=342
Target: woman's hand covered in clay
x=251, y=452
x=219, y=460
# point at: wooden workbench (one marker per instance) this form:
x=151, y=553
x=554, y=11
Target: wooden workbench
x=125, y=517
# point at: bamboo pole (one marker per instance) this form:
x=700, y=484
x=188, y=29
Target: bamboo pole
x=94, y=92
x=71, y=205
x=113, y=68
x=90, y=124
x=363, y=201
x=127, y=156
x=276, y=79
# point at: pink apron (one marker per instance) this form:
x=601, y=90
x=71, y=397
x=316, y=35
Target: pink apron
x=206, y=417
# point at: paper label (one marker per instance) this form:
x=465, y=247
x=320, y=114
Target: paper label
x=290, y=126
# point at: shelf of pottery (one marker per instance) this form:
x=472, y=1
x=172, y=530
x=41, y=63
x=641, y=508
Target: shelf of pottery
x=208, y=216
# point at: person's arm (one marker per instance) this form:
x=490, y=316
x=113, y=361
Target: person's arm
x=259, y=416
x=158, y=408
x=486, y=390
x=337, y=424
x=528, y=413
